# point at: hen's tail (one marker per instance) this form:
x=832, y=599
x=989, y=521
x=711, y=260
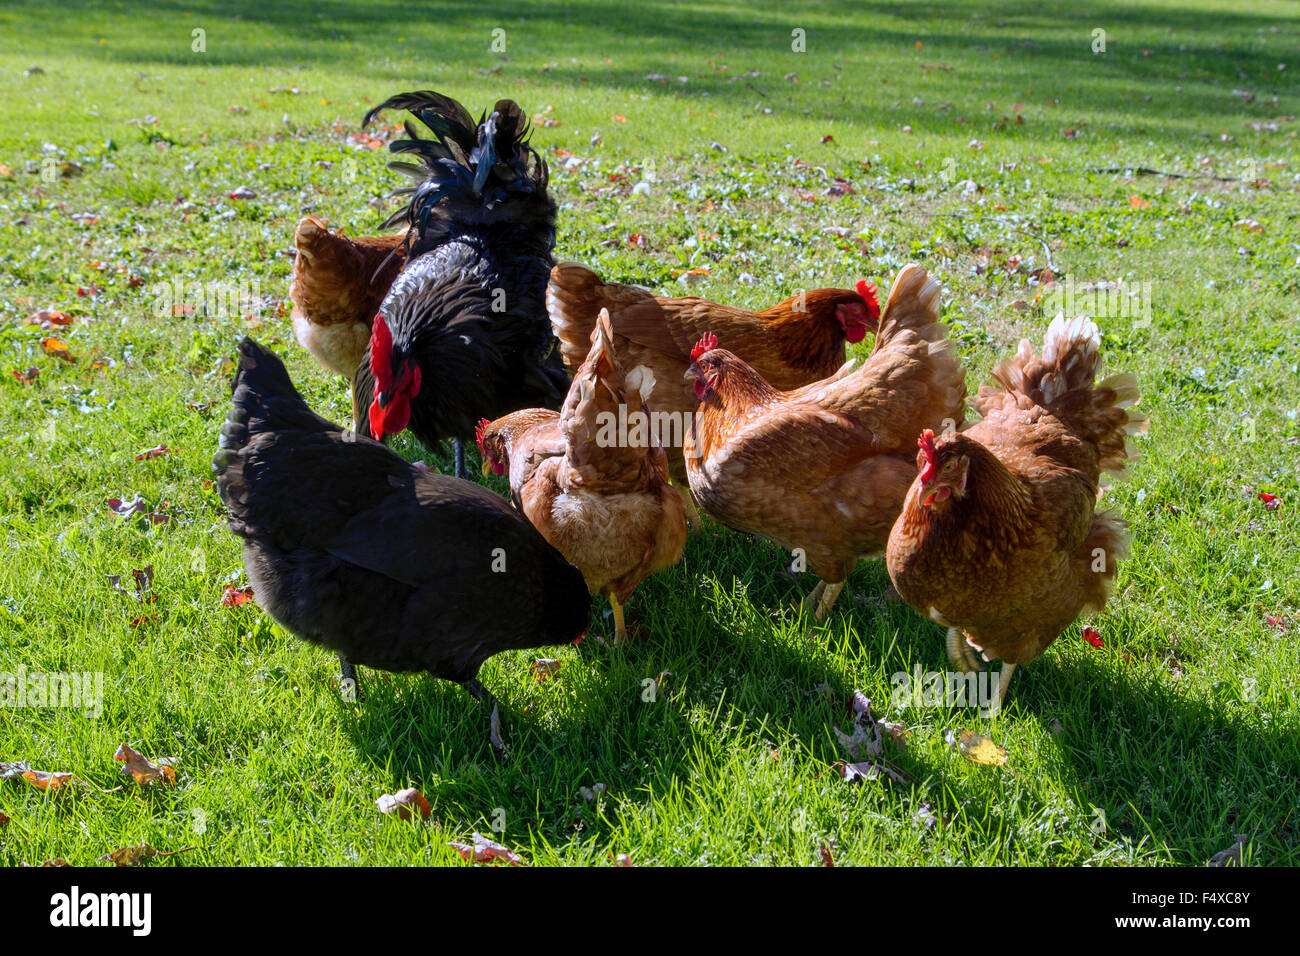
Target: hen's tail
x=263, y=400
x=1063, y=381
x=477, y=171
x=574, y=297
x=912, y=310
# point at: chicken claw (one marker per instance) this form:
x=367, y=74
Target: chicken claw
x=959, y=652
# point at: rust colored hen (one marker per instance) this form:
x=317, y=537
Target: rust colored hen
x=793, y=343
x=338, y=285
x=597, y=492
x=1000, y=539
x=823, y=470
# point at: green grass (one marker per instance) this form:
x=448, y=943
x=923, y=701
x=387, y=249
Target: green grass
x=1183, y=729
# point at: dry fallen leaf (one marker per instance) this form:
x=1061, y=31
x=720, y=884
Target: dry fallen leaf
x=623, y=860
x=232, y=596
x=828, y=859
x=869, y=770
x=135, y=855
x=49, y=318
x=43, y=780
x=57, y=348
x=1232, y=855
x=544, y=668
x=979, y=748
x=13, y=769
x=3, y=819
x=403, y=802
x=1137, y=202
x=144, y=770
x=483, y=850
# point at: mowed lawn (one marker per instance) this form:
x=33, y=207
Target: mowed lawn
x=780, y=151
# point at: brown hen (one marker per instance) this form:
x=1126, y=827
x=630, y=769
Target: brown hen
x=598, y=492
x=822, y=470
x=1000, y=539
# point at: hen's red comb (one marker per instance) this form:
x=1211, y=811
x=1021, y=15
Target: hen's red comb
x=926, y=444
x=381, y=354
x=480, y=430
x=707, y=343
x=867, y=291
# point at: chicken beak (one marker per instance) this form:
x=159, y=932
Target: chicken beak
x=486, y=467
x=691, y=375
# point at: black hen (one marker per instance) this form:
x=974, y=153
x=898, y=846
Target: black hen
x=463, y=333
x=348, y=545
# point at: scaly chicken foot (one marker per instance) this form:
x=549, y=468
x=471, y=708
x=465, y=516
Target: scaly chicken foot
x=620, y=626
x=479, y=692
x=830, y=593
x=349, y=686
x=1004, y=681
x=960, y=654
x=458, y=452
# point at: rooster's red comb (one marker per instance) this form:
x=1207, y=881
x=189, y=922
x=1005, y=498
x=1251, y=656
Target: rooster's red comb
x=867, y=292
x=480, y=430
x=381, y=353
x=926, y=444
x=707, y=343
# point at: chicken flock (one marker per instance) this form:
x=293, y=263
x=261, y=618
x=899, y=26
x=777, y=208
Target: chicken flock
x=616, y=416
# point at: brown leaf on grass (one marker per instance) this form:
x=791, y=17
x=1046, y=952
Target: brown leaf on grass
x=27, y=376
x=544, y=668
x=144, y=770
x=56, y=862
x=232, y=596
x=404, y=803
x=135, y=855
x=978, y=748
x=143, y=578
x=46, y=780
x=157, y=451
x=623, y=860
x=3, y=819
x=127, y=509
x=49, y=318
x=1137, y=202
x=827, y=858
x=57, y=348
x=483, y=850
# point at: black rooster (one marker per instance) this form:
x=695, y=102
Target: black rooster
x=348, y=545
x=463, y=333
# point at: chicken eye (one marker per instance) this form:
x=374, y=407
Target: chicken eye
x=950, y=466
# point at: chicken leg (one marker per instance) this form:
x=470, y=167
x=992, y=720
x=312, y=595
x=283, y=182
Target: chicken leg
x=827, y=595
x=348, y=683
x=1004, y=680
x=458, y=447
x=620, y=626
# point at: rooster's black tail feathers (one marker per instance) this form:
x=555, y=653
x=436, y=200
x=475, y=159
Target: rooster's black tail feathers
x=484, y=164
